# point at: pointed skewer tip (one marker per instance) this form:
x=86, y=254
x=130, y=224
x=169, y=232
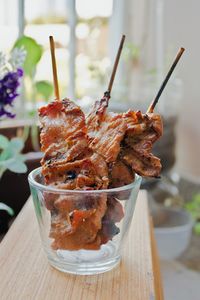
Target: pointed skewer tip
x=54, y=68
x=155, y=101
x=108, y=92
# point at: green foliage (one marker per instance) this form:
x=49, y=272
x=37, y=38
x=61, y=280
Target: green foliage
x=197, y=228
x=33, y=54
x=44, y=88
x=3, y=142
x=6, y=208
x=11, y=159
x=193, y=207
x=10, y=156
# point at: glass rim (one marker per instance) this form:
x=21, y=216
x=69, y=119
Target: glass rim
x=37, y=171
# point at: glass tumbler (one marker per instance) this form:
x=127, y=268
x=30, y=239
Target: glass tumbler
x=83, y=231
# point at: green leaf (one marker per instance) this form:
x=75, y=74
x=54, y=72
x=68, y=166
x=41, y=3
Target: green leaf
x=33, y=53
x=25, y=134
x=4, y=142
x=16, y=144
x=44, y=88
x=5, y=207
x=196, y=199
x=5, y=154
x=17, y=166
x=21, y=157
x=197, y=228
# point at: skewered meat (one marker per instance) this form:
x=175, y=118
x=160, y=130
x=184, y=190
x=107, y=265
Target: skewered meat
x=68, y=163
x=78, y=228
x=143, y=164
x=63, y=135
x=142, y=132
x=120, y=174
x=75, y=219
x=109, y=136
x=105, y=131
x=114, y=214
x=90, y=172
x=126, y=140
x=105, y=153
x=97, y=114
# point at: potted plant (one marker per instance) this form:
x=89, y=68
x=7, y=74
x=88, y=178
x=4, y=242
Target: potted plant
x=17, y=121
x=10, y=151
x=175, y=208
x=25, y=124
x=11, y=158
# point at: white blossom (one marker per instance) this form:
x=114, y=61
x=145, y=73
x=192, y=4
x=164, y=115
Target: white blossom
x=17, y=57
x=3, y=64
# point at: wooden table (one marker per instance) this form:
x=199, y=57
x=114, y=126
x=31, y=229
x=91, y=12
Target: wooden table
x=26, y=274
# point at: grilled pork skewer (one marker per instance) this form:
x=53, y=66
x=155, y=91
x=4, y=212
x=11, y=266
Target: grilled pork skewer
x=132, y=146
x=99, y=122
x=125, y=141
x=142, y=132
x=68, y=163
x=112, y=136
x=82, y=157
x=106, y=131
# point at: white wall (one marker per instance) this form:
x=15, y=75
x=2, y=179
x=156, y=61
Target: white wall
x=182, y=28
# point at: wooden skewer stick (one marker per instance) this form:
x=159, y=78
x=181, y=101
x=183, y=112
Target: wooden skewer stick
x=54, y=68
x=155, y=101
x=115, y=66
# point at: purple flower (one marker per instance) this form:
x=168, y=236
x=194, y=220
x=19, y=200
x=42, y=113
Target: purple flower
x=8, y=91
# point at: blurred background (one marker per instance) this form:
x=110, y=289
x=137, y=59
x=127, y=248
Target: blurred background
x=87, y=34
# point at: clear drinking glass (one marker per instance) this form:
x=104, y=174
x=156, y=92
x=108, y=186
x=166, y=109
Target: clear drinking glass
x=83, y=231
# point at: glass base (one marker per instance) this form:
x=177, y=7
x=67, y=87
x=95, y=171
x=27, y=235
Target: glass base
x=86, y=262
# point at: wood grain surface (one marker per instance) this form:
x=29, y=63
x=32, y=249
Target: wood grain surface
x=26, y=274
x=159, y=293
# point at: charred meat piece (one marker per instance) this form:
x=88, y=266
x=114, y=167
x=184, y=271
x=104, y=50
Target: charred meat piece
x=69, y=164
x=142, y=133
x=125, y=141
x=114, y=214
x=140, y=125
x=97, y=114
x=144, y=164
x=115, y=210
x=81, y=218
x=120, y=174
x=90, y=172
x=79, y=228
x=63, y=134
x=107, y=140
x=105, y=153
x=105, y=130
